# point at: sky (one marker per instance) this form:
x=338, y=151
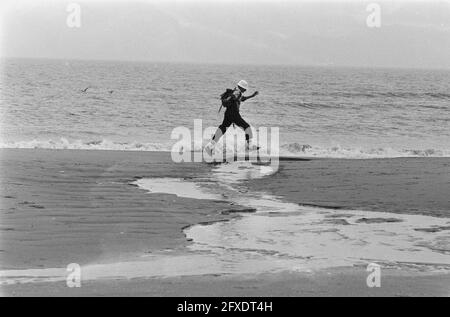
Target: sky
x=412, y=34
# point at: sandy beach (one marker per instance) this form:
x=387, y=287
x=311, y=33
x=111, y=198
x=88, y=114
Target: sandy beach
x=88, y=207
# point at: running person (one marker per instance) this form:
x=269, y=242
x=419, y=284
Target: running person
x=232, y=116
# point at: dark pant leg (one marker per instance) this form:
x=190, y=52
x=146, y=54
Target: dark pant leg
x=227, y=121
x=240, y=122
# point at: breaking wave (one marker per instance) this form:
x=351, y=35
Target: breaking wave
x=289, y=149
x=391, y=94
x=63, y=143
x=296, y=149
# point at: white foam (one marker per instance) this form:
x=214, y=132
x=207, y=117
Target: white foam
x=288, y=149
x=346, y=152
x=101, y=144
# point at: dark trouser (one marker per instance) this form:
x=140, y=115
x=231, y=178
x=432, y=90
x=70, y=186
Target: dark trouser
x=234, y=117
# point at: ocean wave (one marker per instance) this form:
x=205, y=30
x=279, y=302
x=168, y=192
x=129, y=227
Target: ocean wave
x=306, y=150
x=396, y=94
x=288, y=149
x=65, y=144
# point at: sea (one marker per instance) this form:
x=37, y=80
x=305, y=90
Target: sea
x=135, y=106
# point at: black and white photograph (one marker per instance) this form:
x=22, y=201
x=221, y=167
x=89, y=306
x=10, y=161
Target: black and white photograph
x=205, y=151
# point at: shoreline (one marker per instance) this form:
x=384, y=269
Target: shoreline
x=296, y=154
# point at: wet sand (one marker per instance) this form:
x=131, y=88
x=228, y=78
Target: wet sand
x=65, y=206
x=398, y=185
x=340, y=282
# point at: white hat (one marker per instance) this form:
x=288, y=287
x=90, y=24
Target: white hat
x=243, y=84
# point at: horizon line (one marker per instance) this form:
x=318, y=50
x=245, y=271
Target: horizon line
x=112, y=60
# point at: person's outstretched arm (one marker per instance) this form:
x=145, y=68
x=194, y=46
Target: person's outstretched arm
x=244, y=98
